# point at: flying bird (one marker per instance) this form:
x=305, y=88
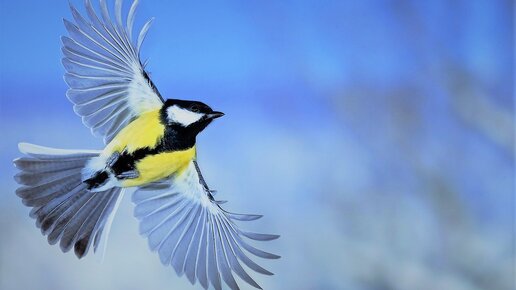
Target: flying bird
x=150, y=144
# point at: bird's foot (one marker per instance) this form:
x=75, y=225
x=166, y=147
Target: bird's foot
x=128, y=175
x=112, y=159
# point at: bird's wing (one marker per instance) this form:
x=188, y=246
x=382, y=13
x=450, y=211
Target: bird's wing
x=108, y=83
x=193, y=234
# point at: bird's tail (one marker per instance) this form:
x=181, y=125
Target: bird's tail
x=64, y=209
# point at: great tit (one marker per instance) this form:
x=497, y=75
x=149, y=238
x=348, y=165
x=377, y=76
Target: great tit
x=150, y=145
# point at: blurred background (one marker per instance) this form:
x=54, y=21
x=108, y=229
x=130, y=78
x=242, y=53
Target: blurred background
x=377, y=137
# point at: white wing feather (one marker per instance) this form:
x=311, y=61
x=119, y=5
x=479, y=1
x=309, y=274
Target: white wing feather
x=108, y=84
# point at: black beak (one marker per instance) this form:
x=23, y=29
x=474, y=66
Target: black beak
x=214, y=115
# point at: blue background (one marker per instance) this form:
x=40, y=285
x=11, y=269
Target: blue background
x=377, y=137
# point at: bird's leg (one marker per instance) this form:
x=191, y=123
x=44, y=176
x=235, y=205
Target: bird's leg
x=128, y=174
x=112, y=159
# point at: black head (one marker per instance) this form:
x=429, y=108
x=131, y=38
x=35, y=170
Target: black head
x=188, y=115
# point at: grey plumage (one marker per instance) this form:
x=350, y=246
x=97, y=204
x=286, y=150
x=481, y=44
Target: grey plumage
x=193, y=234
x=108, y=83
x=63, y=208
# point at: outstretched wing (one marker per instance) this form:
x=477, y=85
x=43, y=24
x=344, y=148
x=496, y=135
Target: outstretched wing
x=108, y=84
x=193, y=234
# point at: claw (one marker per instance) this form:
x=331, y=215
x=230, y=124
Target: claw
x=112, y=159
x=128, y=174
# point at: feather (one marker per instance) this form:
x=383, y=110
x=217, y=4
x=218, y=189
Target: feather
x=64, y=209
x=192, y=233
x=103, y=69
x=130, y=18
x=143, y=33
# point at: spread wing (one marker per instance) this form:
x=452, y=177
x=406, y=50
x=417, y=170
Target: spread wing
x=108, y=84
x=193, y=234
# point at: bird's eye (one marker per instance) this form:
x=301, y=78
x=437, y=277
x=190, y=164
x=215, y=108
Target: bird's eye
x=195, y=109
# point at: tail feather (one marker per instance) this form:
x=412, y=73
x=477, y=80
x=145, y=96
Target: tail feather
x=64, y=209
x=34, y=179
x=32, y=165
x=41, y=194
x=54, y=154
x=84, y=225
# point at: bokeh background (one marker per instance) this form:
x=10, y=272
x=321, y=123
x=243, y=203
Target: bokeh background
x=377, y=137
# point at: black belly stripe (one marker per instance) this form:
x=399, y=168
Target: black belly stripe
x=127, y=161
x=174, y=139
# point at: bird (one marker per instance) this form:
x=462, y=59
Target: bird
x=150, y=146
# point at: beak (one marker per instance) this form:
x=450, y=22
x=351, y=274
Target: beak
x=215, y=115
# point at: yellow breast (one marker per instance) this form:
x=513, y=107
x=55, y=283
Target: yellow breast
x=155, y=167
x=145, y=131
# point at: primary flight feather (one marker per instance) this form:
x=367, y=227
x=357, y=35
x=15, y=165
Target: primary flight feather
x=150, y=145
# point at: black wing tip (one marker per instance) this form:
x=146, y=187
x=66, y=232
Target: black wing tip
x=80, y=248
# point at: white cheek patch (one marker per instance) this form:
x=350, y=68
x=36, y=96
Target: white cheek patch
x=182, y=116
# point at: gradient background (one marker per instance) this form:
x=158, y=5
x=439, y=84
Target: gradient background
x=377, y=137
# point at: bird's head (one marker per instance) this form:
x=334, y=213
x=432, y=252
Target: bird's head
x=191, y=115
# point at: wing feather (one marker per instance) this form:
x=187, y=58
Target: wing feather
x=222, y=261
x=193, y=234
x=213, y=270
x=143, y=33
x=201, y=267
x=168, y=244
x=193, y=249
x=233, y=261
x=130, y=18
x=183, y=241
x=103, y=69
